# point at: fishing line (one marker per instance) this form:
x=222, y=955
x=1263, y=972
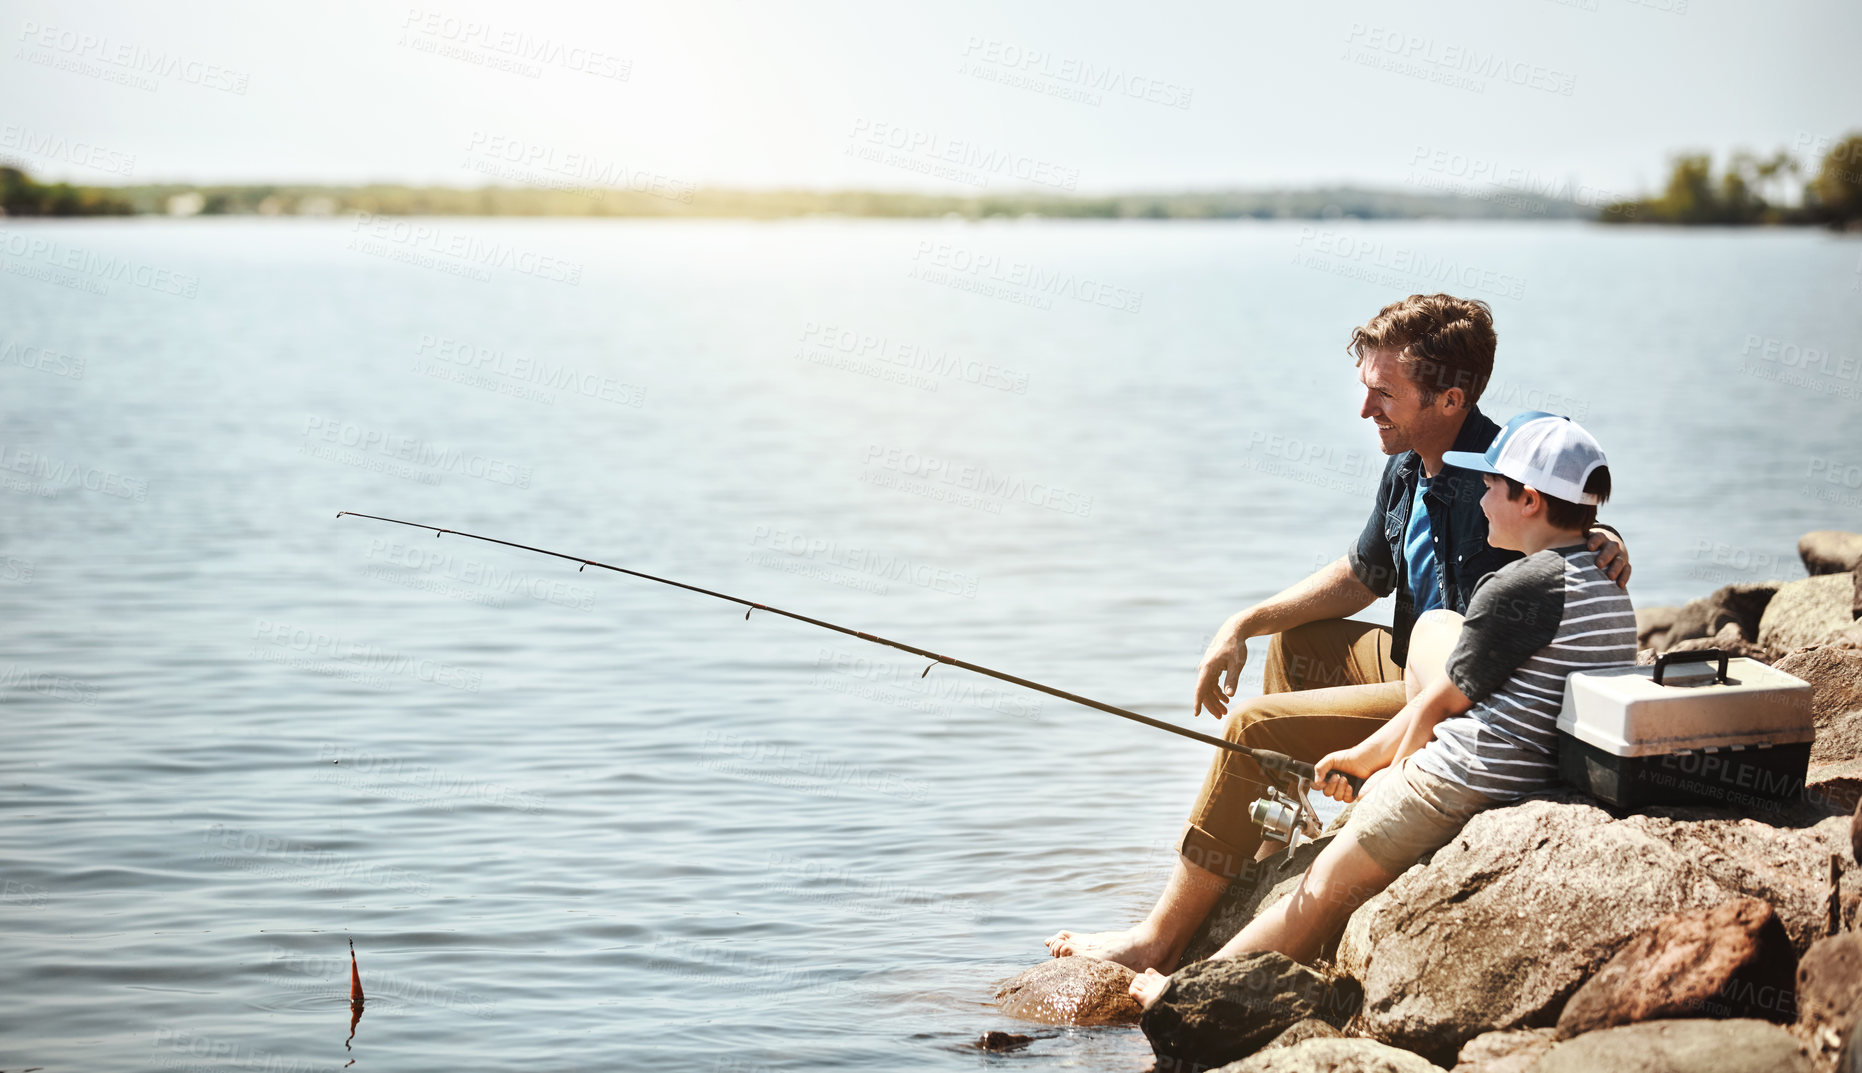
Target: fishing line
x=1267, y=758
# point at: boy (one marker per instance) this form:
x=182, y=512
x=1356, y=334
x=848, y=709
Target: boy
x=1479, y=728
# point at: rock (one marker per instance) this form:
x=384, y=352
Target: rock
x=1829, y=996
x=1530, y=900
x=1830, y=551
x=1255, y=889
x=1743, y=605
x=1728, y=640
x=1511, y=1051
x=1002, y=1041
x=1835, y=676
x=1071, y=991
x=1855, y=835
x=1333, y=1056
x=1835, y=784
x=1653, y=624
x=1808, y=612
x=1301, y=1032
x=1213, y=1012
x=1730, y=961
x=1687, y=1046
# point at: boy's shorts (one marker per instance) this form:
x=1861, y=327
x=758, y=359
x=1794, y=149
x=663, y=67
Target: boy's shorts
x=1410, y=813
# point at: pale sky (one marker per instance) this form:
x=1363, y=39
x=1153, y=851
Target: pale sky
x=950, y=96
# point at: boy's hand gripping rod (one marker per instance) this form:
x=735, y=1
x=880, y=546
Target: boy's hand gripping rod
x=1269, y=760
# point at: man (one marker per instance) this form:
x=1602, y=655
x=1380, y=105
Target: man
x=1329, y=681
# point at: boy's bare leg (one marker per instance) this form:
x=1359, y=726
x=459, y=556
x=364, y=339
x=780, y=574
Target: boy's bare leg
x=1341, y=878
x=1157, y=942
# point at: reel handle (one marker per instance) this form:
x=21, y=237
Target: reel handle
x=1273, y=761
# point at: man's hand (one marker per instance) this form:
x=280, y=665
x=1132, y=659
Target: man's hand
x=1341, y=763
x=1220, y=673
x=1612, y=557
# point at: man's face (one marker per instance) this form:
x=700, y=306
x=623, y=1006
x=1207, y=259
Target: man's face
x=1392, y=401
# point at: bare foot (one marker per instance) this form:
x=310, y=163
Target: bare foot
x=1131, y=948
x=1147, y=985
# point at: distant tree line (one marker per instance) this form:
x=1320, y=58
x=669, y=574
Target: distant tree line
x=1754, y=190
x=20, y=196
x=1748, y=190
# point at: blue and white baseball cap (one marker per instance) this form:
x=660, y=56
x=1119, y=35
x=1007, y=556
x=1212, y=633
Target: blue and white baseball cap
x=1549, y=452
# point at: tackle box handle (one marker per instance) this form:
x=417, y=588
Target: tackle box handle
x=1702, y=655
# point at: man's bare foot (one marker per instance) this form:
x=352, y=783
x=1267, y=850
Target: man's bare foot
x=1131, y=948
x=1147, y=985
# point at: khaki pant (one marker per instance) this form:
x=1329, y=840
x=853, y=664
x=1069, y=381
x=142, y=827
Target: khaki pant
x=1327, y=685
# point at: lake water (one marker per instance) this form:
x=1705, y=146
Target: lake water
x=576, y=820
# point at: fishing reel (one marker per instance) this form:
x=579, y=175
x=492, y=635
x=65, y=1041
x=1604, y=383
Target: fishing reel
x=1288, y=816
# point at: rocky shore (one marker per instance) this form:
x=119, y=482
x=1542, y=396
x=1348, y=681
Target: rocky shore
x=1557, y=934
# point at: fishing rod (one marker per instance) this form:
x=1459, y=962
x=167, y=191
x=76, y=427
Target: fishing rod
x=1268, y=759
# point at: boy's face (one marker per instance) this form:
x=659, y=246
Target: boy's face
x=1504, y=516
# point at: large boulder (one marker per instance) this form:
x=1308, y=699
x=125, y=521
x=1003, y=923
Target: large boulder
x=1071, y=991
x=1687, y=1046
x=1214, y=1012
x=1333, y=1056
x=1507, y=921
x=1741, y=605
x=1653, y=624
x=1855, y=835
x=1311, y=1028
x=1730, y=961
x=1511, y=1051
x=1808, y=612
x=1830, y=551
x=1829, y=996
x=1729, y=640
x=1835, y=676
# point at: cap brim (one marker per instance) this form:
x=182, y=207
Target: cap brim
x=1468, y=460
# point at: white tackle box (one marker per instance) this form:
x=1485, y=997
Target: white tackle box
x=1682, y=732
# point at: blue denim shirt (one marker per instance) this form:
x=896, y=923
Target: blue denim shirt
x=1457, y=526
